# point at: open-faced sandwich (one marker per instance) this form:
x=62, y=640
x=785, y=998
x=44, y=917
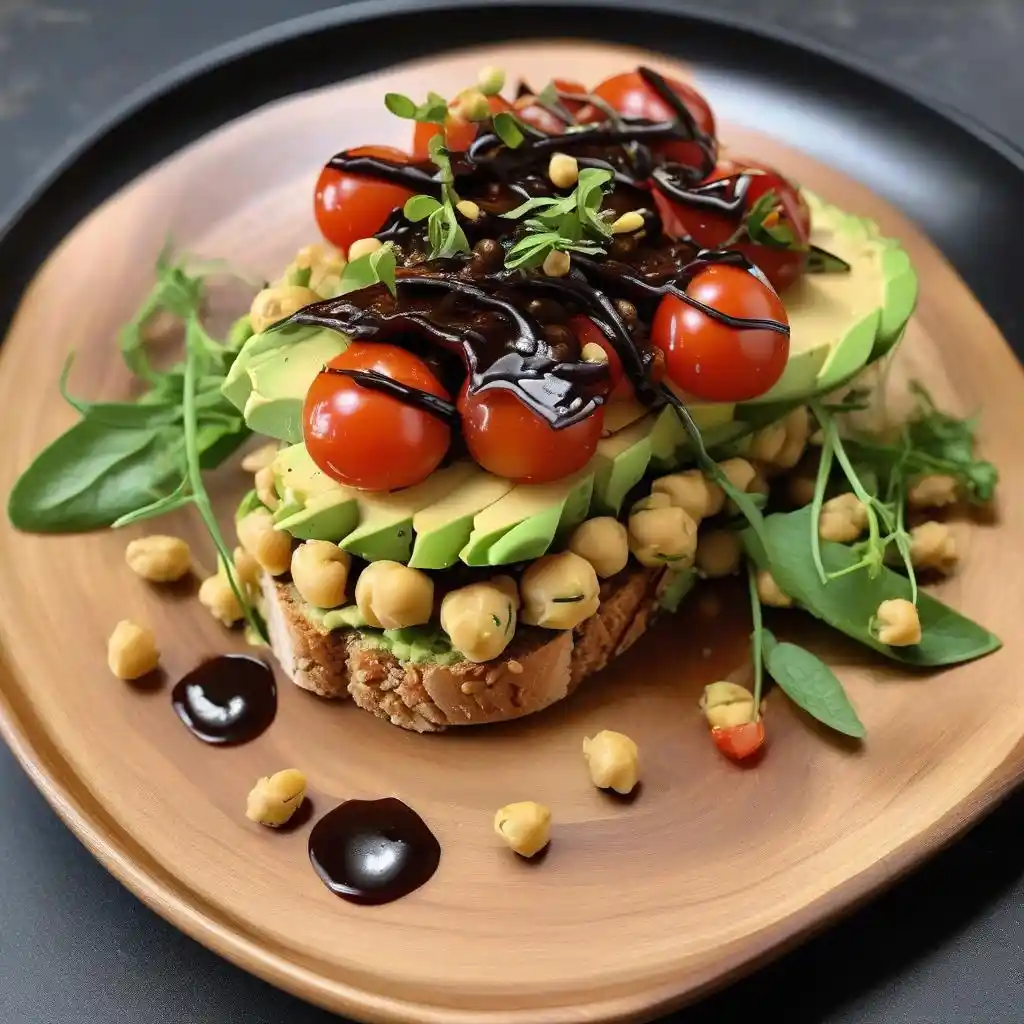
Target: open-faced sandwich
x=545, y=373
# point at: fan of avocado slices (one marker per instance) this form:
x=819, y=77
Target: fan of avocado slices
x=126, y=462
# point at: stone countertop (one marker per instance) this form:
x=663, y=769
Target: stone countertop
x=943, y=947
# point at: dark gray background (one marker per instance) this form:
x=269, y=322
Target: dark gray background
x=945, y=946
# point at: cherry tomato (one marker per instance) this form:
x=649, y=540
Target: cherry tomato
x=629, y=94
x=542, y=119
x=510, y=440
x=712, y=230
x=365, y=438
x=458, y=134
x=587, y=333
x=738, y=742
x=710, y=359
x=350, y=206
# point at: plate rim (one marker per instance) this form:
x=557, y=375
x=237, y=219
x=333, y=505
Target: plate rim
x=111, y=843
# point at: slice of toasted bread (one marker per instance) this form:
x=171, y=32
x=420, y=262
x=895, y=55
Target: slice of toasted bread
x=538, y=668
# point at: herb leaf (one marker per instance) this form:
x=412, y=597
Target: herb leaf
x=850, y=599
x=418, y=208
x=377, y=267
x=399, y=105
x=506, y=127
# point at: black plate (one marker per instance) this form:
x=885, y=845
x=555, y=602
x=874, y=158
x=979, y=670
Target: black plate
x=961, y=183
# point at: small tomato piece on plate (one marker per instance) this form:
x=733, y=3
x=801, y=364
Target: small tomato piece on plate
x=738, y=742
x=458, y=132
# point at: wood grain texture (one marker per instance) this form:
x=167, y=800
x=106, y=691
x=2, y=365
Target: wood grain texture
x=637, y=906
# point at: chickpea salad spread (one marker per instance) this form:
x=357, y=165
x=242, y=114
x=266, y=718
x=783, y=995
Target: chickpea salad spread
x=546, y=371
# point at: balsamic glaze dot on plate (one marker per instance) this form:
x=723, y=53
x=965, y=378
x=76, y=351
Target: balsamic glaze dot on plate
x=227, y=700
x=373, y=851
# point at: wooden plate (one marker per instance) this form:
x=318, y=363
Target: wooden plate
x=637, y=906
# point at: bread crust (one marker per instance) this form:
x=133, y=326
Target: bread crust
x=537, y=669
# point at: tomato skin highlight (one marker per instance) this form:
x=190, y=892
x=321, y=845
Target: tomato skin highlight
x=367, y=439
x=712, y=360
x=458, y=133
x=630, y=95
x=349, y=206
x=739, y=742
x=509, y=440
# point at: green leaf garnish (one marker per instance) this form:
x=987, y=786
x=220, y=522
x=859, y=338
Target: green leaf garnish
x=399, y=105
x=377, y=267
x=433, y=111
x=506, y=127
x=418, y=208
x=766, y=227
x=821, y=261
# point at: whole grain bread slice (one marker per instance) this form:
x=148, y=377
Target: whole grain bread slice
x=538, y=668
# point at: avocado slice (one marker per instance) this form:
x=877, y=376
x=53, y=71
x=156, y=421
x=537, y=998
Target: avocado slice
x=523, y=524
x=442, y=529
x=385, y=521
x=237, y=386
x=620, y=413
x=297, y=474
x=619, y=465
x=670, y=444
x=331, y=516
x=280, y=382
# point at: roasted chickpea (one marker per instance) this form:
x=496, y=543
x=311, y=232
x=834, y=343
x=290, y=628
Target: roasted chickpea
x=897, y=623
x=525, y=827
x=798, y=428
x=843, y=519
x=363, y=247
x=692, y=492
x=320, y=573
x=719, y=553
x=770, y=592
x=563, y=170
x=604, y=543
x=559, y=591
x=933, y=491
x=392, y=596
x=271, y=548
x=259, y=458
x=932, y=546
x=613, y=761
x=662, y=535
x=741, y=474
x=247, y=571
x=766, y=444
x=274, y=799
x=215, y=593
x=159, y=558
x=132, y=651
x=480, y=619
x=277, y=302
x=725, y=704
x=266, y=488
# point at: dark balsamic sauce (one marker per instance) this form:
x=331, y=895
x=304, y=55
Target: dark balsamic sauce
x=227, y=700
x=372, y=380
x=373, y=851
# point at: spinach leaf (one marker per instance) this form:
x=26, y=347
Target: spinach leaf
x=812, y=685
x=848, y=602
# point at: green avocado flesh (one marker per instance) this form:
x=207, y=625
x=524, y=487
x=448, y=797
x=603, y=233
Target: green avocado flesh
x=839, y=323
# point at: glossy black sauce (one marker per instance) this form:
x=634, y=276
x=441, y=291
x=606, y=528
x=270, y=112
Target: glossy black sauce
x=373, y=851
x=374, y=381
x=227, y=700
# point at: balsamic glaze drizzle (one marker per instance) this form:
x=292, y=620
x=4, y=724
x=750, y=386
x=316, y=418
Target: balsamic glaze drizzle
x=373, y=380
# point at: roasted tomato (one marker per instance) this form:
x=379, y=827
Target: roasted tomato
x=349, y=206
x=738, y=742
x=458, y=133
x=510, y=440
x=365, y=438
x=629, y=94
x=713, y=360
x=541, y=118
x=712, y=229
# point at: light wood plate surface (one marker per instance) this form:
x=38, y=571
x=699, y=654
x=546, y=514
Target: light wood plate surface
x=637, y=906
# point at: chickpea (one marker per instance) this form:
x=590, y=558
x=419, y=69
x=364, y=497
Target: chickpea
x=613, y=761
x=480, y=619
x=491, y=80
x=556, y=263
x=159, y=558
x=260, y=458
x=770, y=592
x=741, y=474
x=470, y=105
x=843, y=519
x=323, y=262
x=897, y=623
x=692, y=492
x=132, y=651
x=392, y=596
x=215, y=593
x=798, y=428
x=274, y=799
x=563, y=170
x=277, y=302
x=766, y=444
x=932, y=546
x=525, y=827
x=662, y=536
x=363, y=247
x=604, y=543
x=559, y=591
x=320, y=573
x=627, y=223
x=593, y=353
x=271, y=548
x=719, y=553
x=725, y=704
x=266, y=488
x=933, y=491
x=468, y=209
x=247, y=570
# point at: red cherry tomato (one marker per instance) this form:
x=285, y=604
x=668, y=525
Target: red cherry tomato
x=587, y=333
x=510, y=440
x=738, y=742
x=542, y=119
x=458, y=134
x=712, y=230
x=349, y=206
x=365, y=438
x=629, y=94
x=710, y=359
